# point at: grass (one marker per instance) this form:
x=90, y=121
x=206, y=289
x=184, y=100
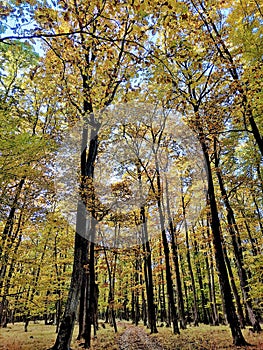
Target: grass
x=41, y=337
x=206, y=338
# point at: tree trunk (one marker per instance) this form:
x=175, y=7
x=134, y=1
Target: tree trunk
x=210, y=273
x=181, y=312
x=234, y=289
x=169, y=282
x=254, y=249
x=90, y=290
x=7, y=237
x=188, y=258
x=237, y=335
x=200, y=282
x=147, y=262
x=80, y=251
x=236, y=242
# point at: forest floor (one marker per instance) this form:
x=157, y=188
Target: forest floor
x=129, y=337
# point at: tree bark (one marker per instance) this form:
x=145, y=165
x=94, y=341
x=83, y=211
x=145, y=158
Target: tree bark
x=147, y=262
x=236, y=242
x=181, y=312
x=237, y=335
x=188, y=258
x=80, y=250
x=204, y=319
x=169, y=282
x=240, y=313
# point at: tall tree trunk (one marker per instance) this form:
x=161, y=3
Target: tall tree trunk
x=254, y=249
x=148, y=273
x=82, y=305
x=147, y=261
x=258, y=213
x=236, y=242
x=136, y=292
x=240, y=313
x=90, y=289
x=237, y=335
x=111, y=277
x=11, y=216
x=214, y=320
x=16, y=239
x=7, y=238
x=169, y=281
x=188, y=258
x=181, y=312
x=165, y=314
x=80, y=252
x=200, y=281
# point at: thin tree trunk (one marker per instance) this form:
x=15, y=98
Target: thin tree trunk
x=213, y=318
x=148, y=274
x=200, y=282
x=90, y=290
x=188, y=258
x=254, y=249
x=7, y=237
x=258, y=213
x=181, y=312
x=147, y=261
x=7, y=232
x=169, y=282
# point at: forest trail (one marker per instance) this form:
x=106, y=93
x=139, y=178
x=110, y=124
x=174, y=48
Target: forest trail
x=135, y=338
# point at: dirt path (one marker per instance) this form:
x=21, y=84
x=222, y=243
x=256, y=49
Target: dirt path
x=135, y=338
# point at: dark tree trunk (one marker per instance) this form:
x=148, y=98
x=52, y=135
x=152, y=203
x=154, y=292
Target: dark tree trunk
x=165, y=311
x=10, y=220
x=236, y=242
x=169, y=281
x=234, y=289
x=181, y=312
x=148, y=277
x=80, y=250
x=214, y=308
x=147, y=263
x=254, y=249
x=82, y=305
x=90, y=290
x=111, y=277
x=58, y=311
x=136, y=294
x=214, y=319
x=7, y=237
x=133, y=307
x=188, y=317
x=188, y=258
x=237, y=335
x=200, y=282
x=258, y=213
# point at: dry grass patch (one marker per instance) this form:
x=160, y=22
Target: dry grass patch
x=38, y=337
x=206, y=338
x=41, y=337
